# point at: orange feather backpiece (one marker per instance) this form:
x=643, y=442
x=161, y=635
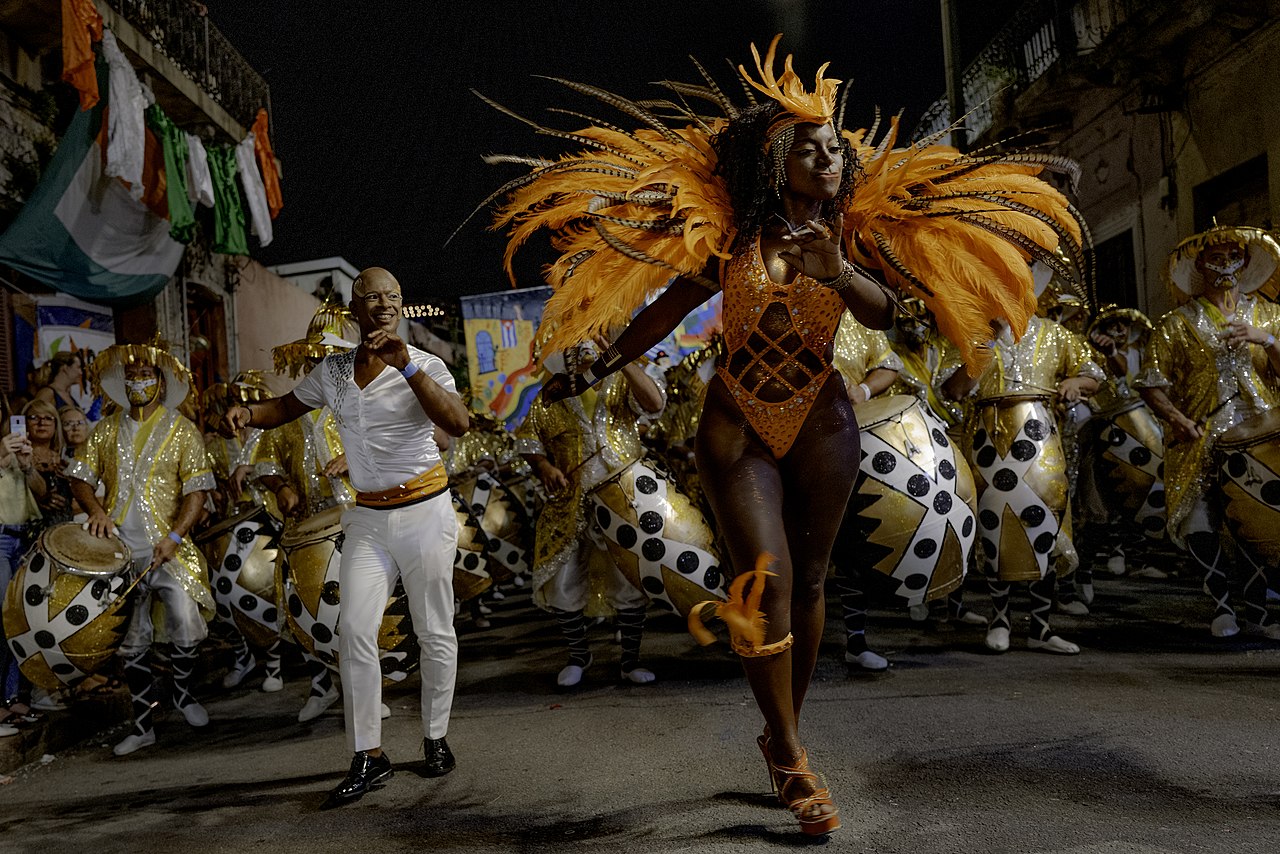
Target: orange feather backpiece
x=740, y=612
x=631, y=209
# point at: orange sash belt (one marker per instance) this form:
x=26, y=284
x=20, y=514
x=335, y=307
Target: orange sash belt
x=429, y=484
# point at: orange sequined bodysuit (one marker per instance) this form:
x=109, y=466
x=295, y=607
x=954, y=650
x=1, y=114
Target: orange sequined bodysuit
x=777, y=341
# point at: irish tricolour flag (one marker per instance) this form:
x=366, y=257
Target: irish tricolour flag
x=82, y=233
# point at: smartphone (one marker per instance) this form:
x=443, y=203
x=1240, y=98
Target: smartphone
x=18, y=424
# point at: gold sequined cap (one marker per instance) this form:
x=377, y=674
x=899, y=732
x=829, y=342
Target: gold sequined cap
x=332, y=329
x=107, y=372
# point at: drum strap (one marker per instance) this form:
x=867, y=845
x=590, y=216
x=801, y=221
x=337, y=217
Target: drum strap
x=424, y=487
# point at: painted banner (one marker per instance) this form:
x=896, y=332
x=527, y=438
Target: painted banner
x=500, y=327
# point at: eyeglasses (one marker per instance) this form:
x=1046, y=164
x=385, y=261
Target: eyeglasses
x=40, y=419
x=67, y=425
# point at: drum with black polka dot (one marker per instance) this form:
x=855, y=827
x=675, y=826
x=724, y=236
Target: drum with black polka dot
x=241, y=552
x=659, y=539
x=1249, y=471
x=1020, y=471
x=66, y=609
x=501, y=517
x=311, y=552
x=473, y=556
x=912, y=500
x=1130, y=466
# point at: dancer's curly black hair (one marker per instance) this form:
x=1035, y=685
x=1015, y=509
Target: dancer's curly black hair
x=748, y=171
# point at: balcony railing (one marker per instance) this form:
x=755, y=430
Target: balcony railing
x=191, y=41
x=1039, y=34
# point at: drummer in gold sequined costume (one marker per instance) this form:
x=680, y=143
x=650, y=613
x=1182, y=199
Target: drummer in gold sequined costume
x=574, y=445
x=1212, y=362
x=230, y=458
x=303, y=465
x=672, y=435
x=152, y=463
x=1024, y=485
x=1107, y=530
x=869, y=367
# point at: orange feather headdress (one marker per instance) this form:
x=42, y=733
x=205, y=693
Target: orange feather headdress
x=631, y=209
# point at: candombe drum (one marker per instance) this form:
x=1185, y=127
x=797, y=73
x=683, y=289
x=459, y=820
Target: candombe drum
x=659, y=540
x=471, y=560
x=1130, y=465
x=1020, y=472
x=242, y=567
x=913, y=499
x=502, y=519
x=66, y=610
x=312, y=554
x=1249, y=472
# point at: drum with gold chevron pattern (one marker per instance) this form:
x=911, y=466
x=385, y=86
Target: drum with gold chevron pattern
x=913, y=498
x=1249, y=472
x=1021, y=473
x=1130, y=466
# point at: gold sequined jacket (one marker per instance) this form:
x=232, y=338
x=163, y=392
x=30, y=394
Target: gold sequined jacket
x=298, y=452
x=165, y=462
x=857, y=351
x=1212, y=384
x=588, y=448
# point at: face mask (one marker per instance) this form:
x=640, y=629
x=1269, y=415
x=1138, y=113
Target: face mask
x=1226, y=272
x=141, y=392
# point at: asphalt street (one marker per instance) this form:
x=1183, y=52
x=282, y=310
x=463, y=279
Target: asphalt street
x=1156, y=738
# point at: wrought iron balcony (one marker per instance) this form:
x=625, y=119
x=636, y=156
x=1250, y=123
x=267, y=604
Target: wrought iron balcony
x=1040, y=34
x=182, y=31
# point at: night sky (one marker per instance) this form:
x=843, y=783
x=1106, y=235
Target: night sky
x=381, y=141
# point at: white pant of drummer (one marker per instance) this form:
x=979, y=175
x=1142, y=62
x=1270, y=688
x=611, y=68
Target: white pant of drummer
x=417, y=544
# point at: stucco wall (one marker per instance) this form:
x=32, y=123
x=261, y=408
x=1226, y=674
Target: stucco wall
x=269, y=311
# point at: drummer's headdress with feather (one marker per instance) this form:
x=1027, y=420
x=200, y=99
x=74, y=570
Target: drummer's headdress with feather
x=633, y=208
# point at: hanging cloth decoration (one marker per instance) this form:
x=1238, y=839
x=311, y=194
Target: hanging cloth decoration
x=126, y=128
x=254, y=191
x=228, y=213
x=81, y=27
x=267, y=162
x=182, y=220
x=199, y=181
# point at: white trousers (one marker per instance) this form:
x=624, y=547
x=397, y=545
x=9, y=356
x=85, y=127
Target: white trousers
x=568, y=589
x=184, y=625
x=417, y=544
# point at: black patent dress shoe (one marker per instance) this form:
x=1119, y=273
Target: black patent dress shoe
x=439, y=757
x=367, y=772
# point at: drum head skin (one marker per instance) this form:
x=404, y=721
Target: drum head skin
x=81, y=553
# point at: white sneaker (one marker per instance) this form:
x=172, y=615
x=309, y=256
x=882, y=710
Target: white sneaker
x=134, y=742
x=639, y=676
x=1115, y=564
x=998, y=639
x=866, y=660
x=483, y=609
x=918, y=613
x=1272, y=596
x=1271, y=631
x=496, y=595
x=6, y=730
x=1150, y=572
x=973, y=618
x=1054, y=644
x=1075, y=608
x=571, y=675
x=482, y=623
x=386, y=711
x=195, y=714
x=1086, y=593
x=236, y=674
x=518, y=581
x=1224, y=626
x=272, y=684
x=314, y=707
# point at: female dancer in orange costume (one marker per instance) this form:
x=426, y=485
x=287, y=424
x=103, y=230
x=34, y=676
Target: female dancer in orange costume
x=756, y=205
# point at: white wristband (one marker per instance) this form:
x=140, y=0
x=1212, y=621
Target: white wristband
x=866, y=391
x=409, y=370
x=1271, y=340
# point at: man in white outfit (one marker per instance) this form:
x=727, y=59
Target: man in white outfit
x=387, y=398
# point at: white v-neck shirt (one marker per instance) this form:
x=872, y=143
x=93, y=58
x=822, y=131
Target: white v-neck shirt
x=387, y=437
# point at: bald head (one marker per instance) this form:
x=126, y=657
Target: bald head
x=376, y=300
x=370, y=277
